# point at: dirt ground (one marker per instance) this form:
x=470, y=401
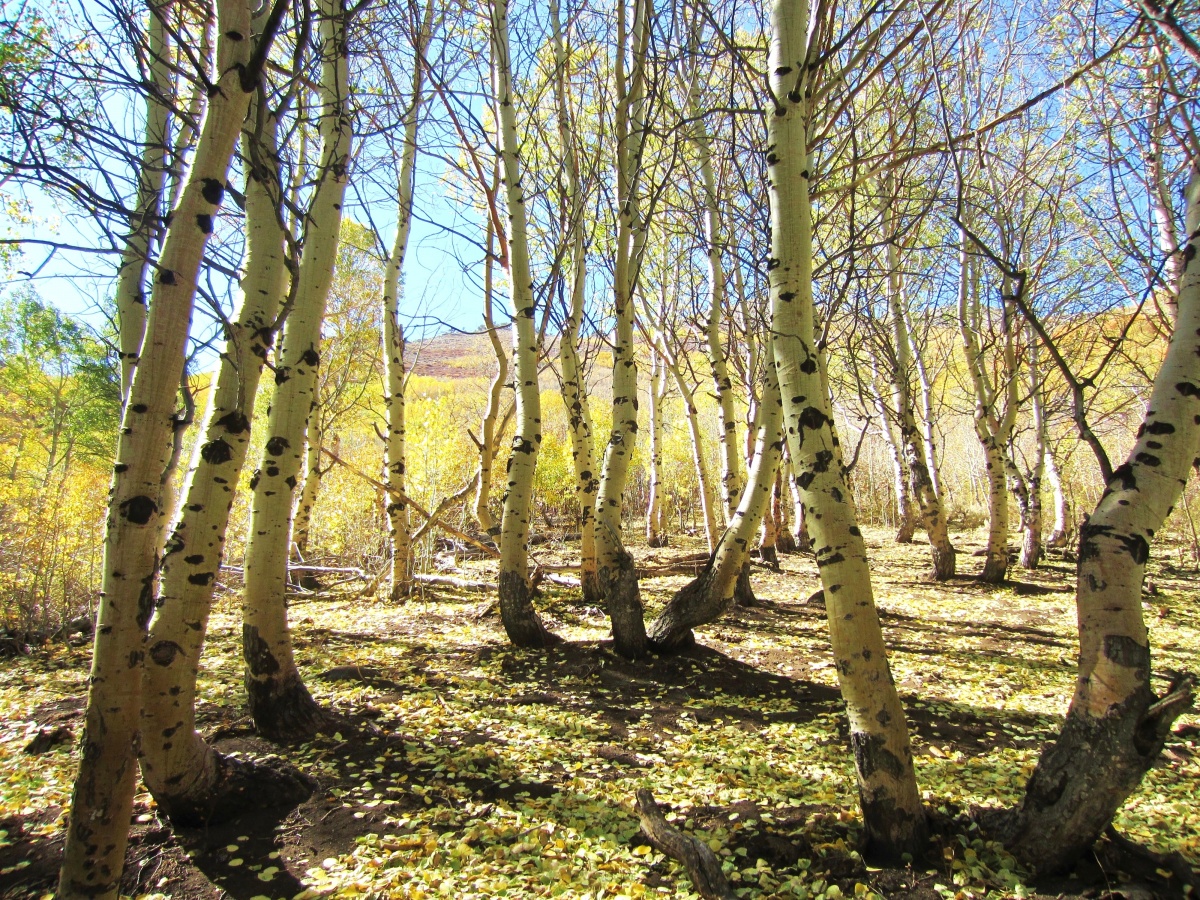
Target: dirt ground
x=457, y=766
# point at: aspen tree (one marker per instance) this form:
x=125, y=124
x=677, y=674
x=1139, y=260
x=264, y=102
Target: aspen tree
x=618, y=579
x=905, y=522
x=130, y=295
x=1116, y=725
x=1031, y=541
x=278, y=700
x=521, y=621
x=574, y=391
x=928, y=502
x=489, y=430
x=992, y=425
x=190, y=781
x=731, y=470
x=1058, y=535
x=102, y=799
x=310, y=488
x=892, y=813
x=654, y=506
x=399, y=528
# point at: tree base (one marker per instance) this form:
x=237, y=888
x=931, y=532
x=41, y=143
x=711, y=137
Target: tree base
x=944, y=561
x=238, y=787
x=995, y=568
x=743, y=591
x=521, y=621
x=768, y=554
x=906, y=531
x=623, y=597
x=785, y=542
x=284, y=711
x=656, y=540
x=1087, y=774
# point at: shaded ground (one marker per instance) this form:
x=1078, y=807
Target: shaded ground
x=465, y=768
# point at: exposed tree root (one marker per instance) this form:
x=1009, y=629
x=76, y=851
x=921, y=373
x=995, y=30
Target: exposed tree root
x=701, y=863
x=240, y=786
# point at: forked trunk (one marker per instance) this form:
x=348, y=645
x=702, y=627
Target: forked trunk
x=281, y=705
x=892, y=814
x=1116, y=726
x=102, y=799
x=190, y=781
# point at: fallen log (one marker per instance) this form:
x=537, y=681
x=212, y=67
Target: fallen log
x=701, y=863
x=450, y=581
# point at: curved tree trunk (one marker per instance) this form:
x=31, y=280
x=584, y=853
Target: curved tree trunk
x=521, y=621
x=1116, y=726
x=279, y=702
x=189, y=780
x=1031, y=541
x=892, y=813
x=102, y=799
x=710, y=595
x=708, y=499
x=310, y=490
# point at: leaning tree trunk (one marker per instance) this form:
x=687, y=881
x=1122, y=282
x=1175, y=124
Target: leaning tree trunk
x=281, y=705
x=521, y=621
x=929, y=447
x=145, y=220
x=891, y=805
x=574, y=391
x=711, y=594
x=785, y=540
x=102, y=799
x=618, y=578
x=1116, y=725
x=399, y=528
x=190, y=781
x=906, y=524
x=708, y=499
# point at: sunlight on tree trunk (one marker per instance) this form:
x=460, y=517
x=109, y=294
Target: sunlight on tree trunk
x=281, y=705
x=1116, y=725
x=102, y=800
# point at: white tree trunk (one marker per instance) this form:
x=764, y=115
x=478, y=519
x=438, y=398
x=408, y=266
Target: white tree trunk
x=102, y=800
x=654, y=508
x=892, y=813
x=1116, y=725
x=488, y=432
x=520, y=620
x=183, y=772
x=278, y=700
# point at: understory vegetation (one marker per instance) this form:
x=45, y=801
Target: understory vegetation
x=465, y=768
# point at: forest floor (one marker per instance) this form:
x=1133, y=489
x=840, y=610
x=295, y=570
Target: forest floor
x=463, y=768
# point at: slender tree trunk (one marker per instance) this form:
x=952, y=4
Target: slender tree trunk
x=281, y=705
x=1031, y=543
x=399, y=526
x=799, y=522
x=575, y=399
x=1116, y=725
x=654, y=512
x=906, y=525
x=992, y=428
x=785, y=540
x=191, y=782
x=521, y=621
x=1058, y=537
x=711, y=594
x=488, y=432
x=892, y=813
x=130, y=295
x=704, y=481
x=933, y=517
x=102, y=800
x=618, y=578
x=929, y=448
x=310, y=491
